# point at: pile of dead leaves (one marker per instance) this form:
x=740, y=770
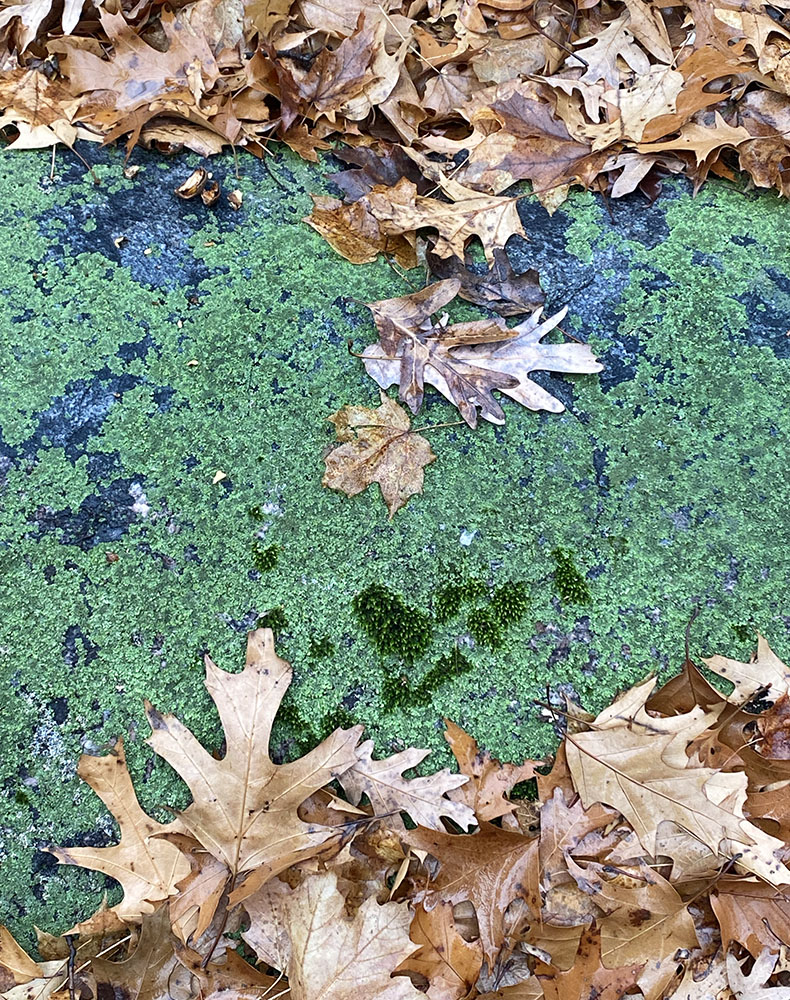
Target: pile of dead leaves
x=442, y=104
x=650, y=862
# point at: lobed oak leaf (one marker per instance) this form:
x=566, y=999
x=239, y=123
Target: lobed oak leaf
x=245, y=808
x=529, y=989
x=599, y=60
x=754, y=986
x=765, y=672
x=228, y=978
x=423, y=798
x=752, y=914
x=500, y=289
x=589, y=978
x=467, y=361
x=147, y=866
x=490, y=782
x=377, y=446
x=16, y=966
x=146, y=973
x=490, y=868
x=449, y=963
x=338, y=957
x=700, y=140
x=33, y=13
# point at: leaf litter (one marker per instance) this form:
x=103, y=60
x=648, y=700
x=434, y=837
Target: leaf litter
x=633, y=869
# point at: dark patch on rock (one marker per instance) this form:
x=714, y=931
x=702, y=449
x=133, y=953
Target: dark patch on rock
x=104, y=516
x=60, y=710
x=768, y=323
x=87, y=651
x=136, y=350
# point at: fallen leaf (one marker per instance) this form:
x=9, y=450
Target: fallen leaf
x=147, y=867
x=754, y=986
x=377, y=446
x=449, y=963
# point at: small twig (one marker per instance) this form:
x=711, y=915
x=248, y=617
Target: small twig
x=692, y=619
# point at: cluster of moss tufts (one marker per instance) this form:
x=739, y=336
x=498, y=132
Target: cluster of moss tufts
x=264, y=557
x=570, y=583
x=448, y=599
x=397, y=692
x=394, y=628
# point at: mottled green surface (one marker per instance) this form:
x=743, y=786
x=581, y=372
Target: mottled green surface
x=660, y=488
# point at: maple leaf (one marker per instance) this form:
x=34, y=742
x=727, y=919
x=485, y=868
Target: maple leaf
x=377, y=446
x=490, y=782
x=449, y=963
x=637, y=764
x=423, y=798
x=490, y=868
x=147, y=866
x=753, y=986
x=588, y=976
x=245, y=807
x=467, y=361
x=335, y=957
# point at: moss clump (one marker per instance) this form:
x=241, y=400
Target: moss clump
x=569, y=581
x=256, y=513
x=509, y=603
x=394, y=628
x=484, y=628
x=449, y=598
x=745, y=633
x=397, y=692
x=340, y=718
x=321, y=648
x=275, y=620
x=264, y=557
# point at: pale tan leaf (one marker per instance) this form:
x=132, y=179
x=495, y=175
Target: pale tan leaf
x=337, y=957
x=765, y=672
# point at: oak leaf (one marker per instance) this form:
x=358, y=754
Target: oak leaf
x=423, y=798
x=637, y=763
x=377, y=446
x=467, y=361
x=337, y=957
x=147, y=866
x=589, y=978
x=765, y=672
x=33, y=13
x=449, y=963
x=245, y=808
x=752, y=914
x=356, y=234
x=754, y=986
x=490, y=868
x=490, y=782
x=499, y=289
x=146, y=973
x=16, y=966
x=599, y=60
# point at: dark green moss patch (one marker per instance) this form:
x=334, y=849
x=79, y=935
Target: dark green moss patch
x=484, y=628
x=275, y=620
x=449, y=599
x=265, y=557
x=398, y=693
x=321, y=647
x=570, y=583
x=510, y=603
x=745, y=633
x=394, y=628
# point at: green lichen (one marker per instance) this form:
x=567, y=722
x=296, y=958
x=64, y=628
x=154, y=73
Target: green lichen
x=394, y=628
x=569, y=582
x=264, y=557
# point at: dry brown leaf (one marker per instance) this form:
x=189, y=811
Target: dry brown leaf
x=16, y=966
x=486, y=793
x=245, y=807
x=449, y=963
x=765, y=672
x=754, y=986
x=424, y=798
x=146, y=973
x=338, y=957
x=356, y=234
x=500, y=289
x=589, y=977
x=466, y=362
x=377, y=446
x=490, y=868
x=147, y=866
x=752, y=914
